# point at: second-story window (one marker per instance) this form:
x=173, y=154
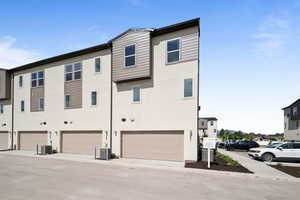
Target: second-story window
x=94, y=98
x=136, y=93
x=37, y=79
x=22, y=106
x=129, y=55
x=20, y=81
x=73, y=72
x=97, y=65
x=1, y=108
x=173, y=50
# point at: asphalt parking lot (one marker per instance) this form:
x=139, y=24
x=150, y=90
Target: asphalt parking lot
x=35, y=178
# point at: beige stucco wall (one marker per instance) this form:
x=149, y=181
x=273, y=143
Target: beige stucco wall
x=162, y=106
x=86, y=118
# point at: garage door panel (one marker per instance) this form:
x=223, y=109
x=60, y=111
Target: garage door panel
x=29, y=140
x=3, y=140
x=153, y=145
x=81, y=142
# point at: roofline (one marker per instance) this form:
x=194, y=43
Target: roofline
x=176, y=27
x=62, y=57
x=154, y=32
x=291, y=104
x=209, y=118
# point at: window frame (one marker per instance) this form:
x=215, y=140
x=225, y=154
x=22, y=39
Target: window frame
x=1, y=108
x=39, y=104
x=65, y=102
x=21, y=81
x=188, y=97
x=133, y=89
x=37, y=79
x=100, y=68
x=130, y=56
x=96, y=98
x=73, y=71
x=22, y=106
x=179, y=50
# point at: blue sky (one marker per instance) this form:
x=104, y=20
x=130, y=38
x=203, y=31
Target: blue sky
x=249, y=48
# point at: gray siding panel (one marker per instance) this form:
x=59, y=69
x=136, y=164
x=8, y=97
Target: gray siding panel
x=35, y=94
x=4, y=84
x=189, y=47
x=142, y=60
x=74, y=89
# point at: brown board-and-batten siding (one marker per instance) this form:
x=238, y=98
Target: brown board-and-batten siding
x=74, y=89
x=141, y=69
x=5, y=84
x=36, y=94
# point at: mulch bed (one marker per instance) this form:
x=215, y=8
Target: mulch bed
x=293, y=171
x=219, y=164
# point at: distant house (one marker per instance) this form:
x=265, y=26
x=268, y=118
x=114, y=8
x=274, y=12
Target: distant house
x=292, y=121
x=208, y=127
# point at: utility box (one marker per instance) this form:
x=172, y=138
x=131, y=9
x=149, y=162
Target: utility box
x=105, y=153
x=205, y=155
x=46, y=149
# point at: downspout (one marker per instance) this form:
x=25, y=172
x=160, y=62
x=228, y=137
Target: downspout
x=111, y=100
x=198, y=88
x=12, y=112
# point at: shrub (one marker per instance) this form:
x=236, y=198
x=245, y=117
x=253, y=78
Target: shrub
x=227, y=159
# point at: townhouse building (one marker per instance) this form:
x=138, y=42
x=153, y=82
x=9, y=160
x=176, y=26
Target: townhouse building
x=292, y=121
x=137, y=94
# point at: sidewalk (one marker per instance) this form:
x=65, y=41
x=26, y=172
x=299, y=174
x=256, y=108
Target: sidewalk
x=257, y=167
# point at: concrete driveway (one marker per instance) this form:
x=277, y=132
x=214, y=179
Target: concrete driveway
x=36, y=178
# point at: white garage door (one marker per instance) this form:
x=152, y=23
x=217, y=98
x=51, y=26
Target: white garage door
x=153, y=145
x=83, y=142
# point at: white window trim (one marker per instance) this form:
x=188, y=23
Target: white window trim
x=95, y=66
x=22, y=81
x=37, y=79
x=130, y=56
x=65, y=101
x=132, y=89
x=1, y=108
x=73, y=71
x=191, y=97
x=22, y=111
x=39, y=104
x=92, y=98
x=166, y=49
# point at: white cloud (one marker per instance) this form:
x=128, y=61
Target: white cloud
x=11, y=56
x=272, y=35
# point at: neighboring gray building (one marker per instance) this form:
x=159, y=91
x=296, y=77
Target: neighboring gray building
x=292, y=121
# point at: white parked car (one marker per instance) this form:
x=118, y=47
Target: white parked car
x=289, y=151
